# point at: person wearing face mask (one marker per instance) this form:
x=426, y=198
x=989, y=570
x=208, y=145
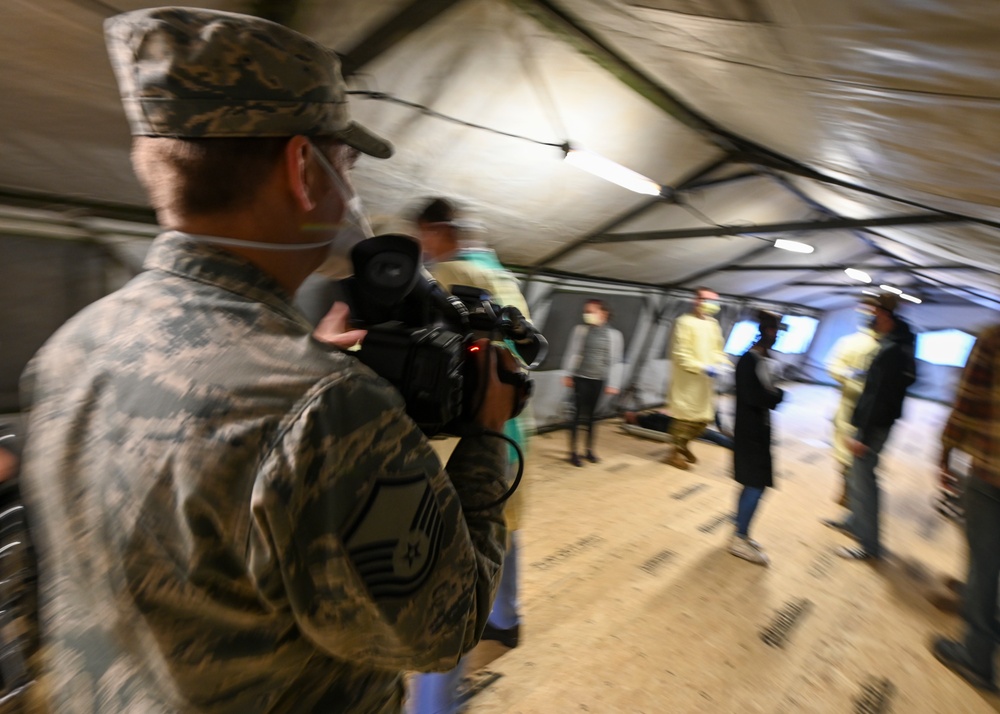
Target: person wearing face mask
x=848, y=364
x=698, y=357
x=590, y=362
x=454, y=259
x=231, y=515
x=891, y=372
x=756, y=396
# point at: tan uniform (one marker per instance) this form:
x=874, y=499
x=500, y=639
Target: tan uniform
x=231, y=518
x=847, y=364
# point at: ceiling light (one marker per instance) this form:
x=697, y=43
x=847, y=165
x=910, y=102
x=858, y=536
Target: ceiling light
x=858, y=275
x=610, y=171
x=910, y=298
x=890, y=289
x=871, y=292
x=793, y=245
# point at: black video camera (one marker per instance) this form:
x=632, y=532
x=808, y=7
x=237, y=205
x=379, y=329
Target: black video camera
x=421, y=339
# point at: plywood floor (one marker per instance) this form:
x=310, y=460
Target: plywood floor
x=631, y=603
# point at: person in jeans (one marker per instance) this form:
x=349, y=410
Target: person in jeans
x=756, y=396
x=892, y=371
x=454, y=258
x=594, y=350
x=847, y=365
x=974, y=428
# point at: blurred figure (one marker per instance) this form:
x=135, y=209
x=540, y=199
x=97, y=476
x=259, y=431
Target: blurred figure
x=974, y=428
x=233, y=516
x=891, y=372
x=8, y=454
x=756, y=396
x=658, y=421
x=593, y=353
x=848, y=365
x=697, y=359
x=454, y=259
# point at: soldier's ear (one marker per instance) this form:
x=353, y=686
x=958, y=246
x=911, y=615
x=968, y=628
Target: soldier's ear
x=301, y=172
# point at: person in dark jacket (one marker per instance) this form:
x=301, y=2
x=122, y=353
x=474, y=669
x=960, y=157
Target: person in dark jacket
x=892, y=371
x=756, y=396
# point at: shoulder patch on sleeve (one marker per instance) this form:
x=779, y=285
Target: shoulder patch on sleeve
x=395, y=539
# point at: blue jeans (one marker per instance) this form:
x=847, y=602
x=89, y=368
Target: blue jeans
x=865, y=494
x=982, y=528
x=745, y=508
x=437, y=692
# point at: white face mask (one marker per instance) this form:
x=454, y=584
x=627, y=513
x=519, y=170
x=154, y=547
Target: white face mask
x=353, y=229
x=592, y=318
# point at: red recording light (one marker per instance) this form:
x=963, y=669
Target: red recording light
x=474, y=348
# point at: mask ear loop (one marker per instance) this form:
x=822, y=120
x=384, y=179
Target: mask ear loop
x=352, y=201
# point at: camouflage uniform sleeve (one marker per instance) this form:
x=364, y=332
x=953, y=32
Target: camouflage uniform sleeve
x=367, y=541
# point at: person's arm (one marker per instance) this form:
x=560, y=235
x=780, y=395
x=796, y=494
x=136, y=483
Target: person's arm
x=837, y=364
x=683, y=353
x=381, y=556
x=755, y=384
x=896, y=372
x=971, y=398
x=572, y=355
x=720, y=358
x=615, y=368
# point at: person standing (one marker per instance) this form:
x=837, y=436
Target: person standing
x=974, y=428
x=756, y=396
x=847, y=365
x=591, y=360
x=231, y=515
x=697, y=356
x=893, y=369
x=453, y=259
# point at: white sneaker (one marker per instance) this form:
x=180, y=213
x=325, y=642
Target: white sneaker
x=748, y=550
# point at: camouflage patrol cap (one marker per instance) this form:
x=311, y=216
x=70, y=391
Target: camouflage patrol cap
x=194, y=73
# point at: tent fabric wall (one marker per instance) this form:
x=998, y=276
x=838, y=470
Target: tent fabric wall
x=43, y=283
x=934, y=382
x=59, y=277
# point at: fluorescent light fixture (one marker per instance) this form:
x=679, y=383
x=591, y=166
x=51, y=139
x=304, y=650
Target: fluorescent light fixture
x=890, y=289
x=793, y=245
x=910, y=298
x=858, y=275
x=871, y=292
x=610, y=171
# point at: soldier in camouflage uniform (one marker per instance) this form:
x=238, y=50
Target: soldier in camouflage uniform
x=232, y=516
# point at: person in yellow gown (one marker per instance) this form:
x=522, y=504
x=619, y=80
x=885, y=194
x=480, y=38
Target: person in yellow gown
x=848, y=365
x=698, y=357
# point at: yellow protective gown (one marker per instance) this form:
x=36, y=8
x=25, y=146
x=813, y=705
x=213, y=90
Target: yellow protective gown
x=697, y=344
x=847, y=364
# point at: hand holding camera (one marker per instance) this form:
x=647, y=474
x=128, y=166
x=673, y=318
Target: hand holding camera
x=439, y=350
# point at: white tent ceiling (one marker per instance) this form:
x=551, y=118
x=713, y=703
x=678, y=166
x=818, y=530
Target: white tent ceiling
x=814, y=111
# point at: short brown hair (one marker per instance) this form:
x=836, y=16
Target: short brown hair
x=203, y=176
x=197, y=177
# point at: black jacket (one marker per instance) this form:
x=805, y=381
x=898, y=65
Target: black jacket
x=892, y=371
x=752, y=464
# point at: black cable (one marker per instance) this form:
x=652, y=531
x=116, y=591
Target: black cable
x=517, y=478
x=385, y=97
